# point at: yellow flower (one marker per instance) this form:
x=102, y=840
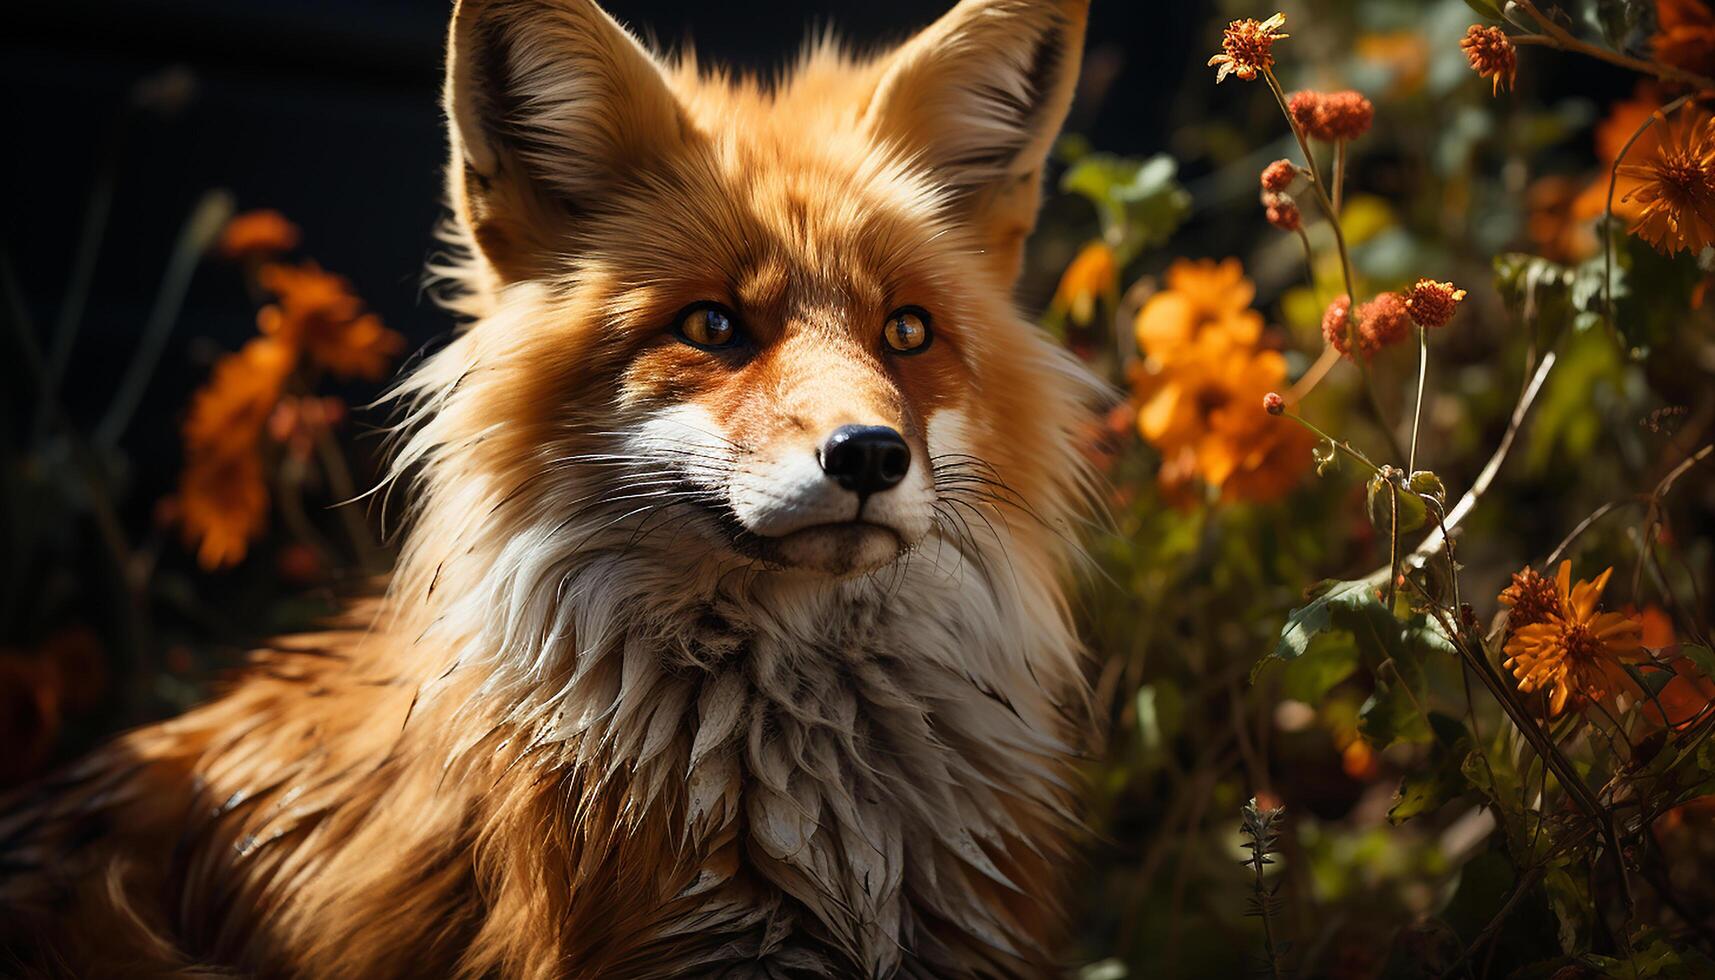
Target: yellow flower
x=1093, y=277
x=1247, y=48
x=1575, y=654
x=1676, y=190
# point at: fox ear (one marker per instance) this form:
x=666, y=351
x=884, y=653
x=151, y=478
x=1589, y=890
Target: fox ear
x=979, y=96
x=550, y=103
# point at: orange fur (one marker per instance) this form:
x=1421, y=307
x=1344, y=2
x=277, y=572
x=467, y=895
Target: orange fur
x=581, y=738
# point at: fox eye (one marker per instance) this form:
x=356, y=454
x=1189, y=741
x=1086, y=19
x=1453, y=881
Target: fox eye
x=707, y=325
x=907, y=330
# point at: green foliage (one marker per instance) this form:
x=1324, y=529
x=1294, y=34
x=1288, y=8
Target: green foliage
x=1139, y=203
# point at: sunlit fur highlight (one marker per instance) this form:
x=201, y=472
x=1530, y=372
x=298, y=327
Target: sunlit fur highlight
x=584, y=732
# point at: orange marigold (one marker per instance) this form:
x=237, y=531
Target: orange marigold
x=1576, y=655
x=1247, y=48
x=1198, y=296
x=1203, y=375
x=223, y=505
x=258, y=234
x=228, y=412
x=1092, y=277
x=1676, y=190
x=1492, y=55
x=1432, y=304
x=317, y=313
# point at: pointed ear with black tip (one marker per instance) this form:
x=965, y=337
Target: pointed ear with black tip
x=979, y=97
x=550, y=105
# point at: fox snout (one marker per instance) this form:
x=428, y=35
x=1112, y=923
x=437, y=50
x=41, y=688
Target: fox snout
x=866, y=459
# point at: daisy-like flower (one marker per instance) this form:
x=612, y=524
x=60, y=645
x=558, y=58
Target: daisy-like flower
x=1676, y=190
x=1278, y=176
x=1577, y=654
x=1432, y=304
x=1247, y=48
x=1492, y=55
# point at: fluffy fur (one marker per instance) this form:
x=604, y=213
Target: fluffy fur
x=634, y=704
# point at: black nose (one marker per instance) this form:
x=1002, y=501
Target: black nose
x=866, y=458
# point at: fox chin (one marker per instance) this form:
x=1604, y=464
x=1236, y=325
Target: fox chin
x=728, y=637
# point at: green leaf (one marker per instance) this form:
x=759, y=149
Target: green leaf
x=1317, y=615
x=1140, y=202
x=1379, y=497
x=1331, y=659
x=1487, y=8
x=1443, y=779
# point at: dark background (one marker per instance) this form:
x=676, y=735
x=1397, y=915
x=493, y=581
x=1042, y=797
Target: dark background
x=327, y=110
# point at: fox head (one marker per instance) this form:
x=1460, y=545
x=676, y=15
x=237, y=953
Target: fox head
x=749, y=325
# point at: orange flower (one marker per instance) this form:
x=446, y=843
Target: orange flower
x=1676, y=190
x=1092, y=277
x=227, y=413
x=1203, y=376
x=1685, y=36
x=1282, y=212
x=258, y=234
x=1576, y=655
x=1247, y=48
x=1530, y=599
x=1382, y=321
x=1683, y=701
x=223, y=504
x=1278, y=176
x=1492, y=55
x=1199, y=295
x=1336, y=324
x=1333, y=116
x=318, y=314
x=1432, y=304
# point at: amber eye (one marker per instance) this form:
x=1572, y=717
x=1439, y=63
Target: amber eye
x=907, y=330
x=707, y=325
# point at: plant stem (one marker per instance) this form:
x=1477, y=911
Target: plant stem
x=1417, y=414
x=1555, y=36
x=204, y=224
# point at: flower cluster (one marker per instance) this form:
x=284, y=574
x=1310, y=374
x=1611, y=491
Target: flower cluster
x=315, y=323
x=1205, y=369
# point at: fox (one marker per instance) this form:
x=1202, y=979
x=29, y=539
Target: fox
x=731, y=632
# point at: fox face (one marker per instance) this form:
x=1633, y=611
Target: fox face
x=767, y=323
